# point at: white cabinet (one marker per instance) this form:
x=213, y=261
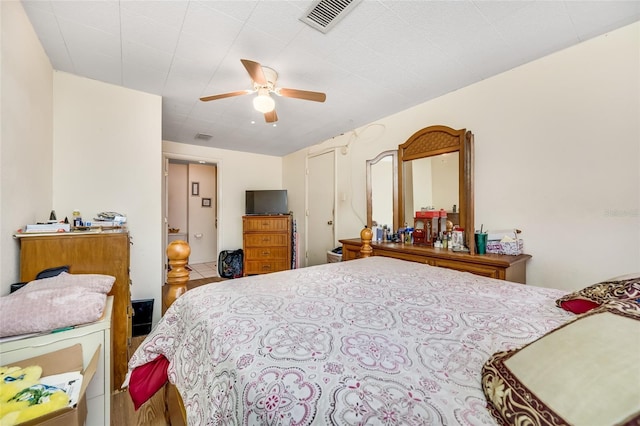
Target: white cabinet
x=90, y=336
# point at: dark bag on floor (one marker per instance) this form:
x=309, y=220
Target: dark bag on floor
x=230, y=263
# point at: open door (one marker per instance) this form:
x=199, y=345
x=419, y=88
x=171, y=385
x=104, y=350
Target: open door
x=320, y=207
x=190, y=206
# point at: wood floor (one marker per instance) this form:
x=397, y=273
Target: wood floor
x=152, y=412
x=155, y=411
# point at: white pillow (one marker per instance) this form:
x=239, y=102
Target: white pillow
x=582, y=373
x=50, y=303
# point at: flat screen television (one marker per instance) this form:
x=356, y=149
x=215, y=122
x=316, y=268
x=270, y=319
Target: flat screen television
x=267, y=201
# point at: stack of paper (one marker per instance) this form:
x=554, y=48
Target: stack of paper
x=47, y=227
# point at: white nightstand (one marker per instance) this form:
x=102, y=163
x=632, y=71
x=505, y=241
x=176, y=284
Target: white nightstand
x=90, y=336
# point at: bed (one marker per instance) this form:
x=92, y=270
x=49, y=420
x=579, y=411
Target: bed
x=370, y=341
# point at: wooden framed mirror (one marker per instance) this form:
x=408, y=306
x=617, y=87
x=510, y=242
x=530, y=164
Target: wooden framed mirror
x=428, y=164
x=382, y=190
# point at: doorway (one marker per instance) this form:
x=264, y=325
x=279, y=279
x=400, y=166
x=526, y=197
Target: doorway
x=191, y=211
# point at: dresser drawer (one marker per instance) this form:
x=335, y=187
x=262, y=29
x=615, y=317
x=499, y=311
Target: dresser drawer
x=273, y=253
x=253, y=267
x=266, y=240
x=486, y=271
x=266, y=224
x=403, y=256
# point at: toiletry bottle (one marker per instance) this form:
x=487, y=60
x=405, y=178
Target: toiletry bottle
x=435, y=225
x=77, y=219
x=443, y=222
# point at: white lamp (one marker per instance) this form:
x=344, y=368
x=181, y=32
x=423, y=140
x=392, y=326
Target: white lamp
x=263, y=102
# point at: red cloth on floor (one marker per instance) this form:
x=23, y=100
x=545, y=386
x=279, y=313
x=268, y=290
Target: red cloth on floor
x=147, y=379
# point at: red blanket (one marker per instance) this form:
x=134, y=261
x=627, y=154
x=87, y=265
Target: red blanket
x=147, y=379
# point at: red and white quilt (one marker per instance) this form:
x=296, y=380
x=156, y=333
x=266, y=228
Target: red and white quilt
x=369, y=341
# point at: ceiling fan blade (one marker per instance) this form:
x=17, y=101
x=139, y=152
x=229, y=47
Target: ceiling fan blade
x=255, y=71
x=271, y=116
x=226, y=95
x=302, y=94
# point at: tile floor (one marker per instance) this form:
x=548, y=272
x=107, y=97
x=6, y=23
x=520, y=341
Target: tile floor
x=203, y=270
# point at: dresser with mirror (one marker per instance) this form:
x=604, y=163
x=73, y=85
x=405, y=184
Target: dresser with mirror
x=434, y=169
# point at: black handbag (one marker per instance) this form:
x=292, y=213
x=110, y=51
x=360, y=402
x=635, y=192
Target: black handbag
x=230, y=263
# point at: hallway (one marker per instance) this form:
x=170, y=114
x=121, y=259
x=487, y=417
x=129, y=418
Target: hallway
x=203, y=270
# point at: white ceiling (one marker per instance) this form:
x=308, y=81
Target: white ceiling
x=384, y=57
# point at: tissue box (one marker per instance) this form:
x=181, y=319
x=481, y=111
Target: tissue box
x=513, y=248
x=496, y=246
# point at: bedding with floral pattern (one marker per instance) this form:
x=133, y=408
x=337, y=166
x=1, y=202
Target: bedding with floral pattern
x=368, y=341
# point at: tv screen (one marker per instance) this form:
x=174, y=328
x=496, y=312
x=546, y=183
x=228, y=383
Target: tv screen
x=269, y=201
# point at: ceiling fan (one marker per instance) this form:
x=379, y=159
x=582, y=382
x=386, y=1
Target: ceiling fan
x=264, y=83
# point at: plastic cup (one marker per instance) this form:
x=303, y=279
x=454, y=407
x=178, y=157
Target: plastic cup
x=481, y=242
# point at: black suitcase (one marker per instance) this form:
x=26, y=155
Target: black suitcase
x=230, y=263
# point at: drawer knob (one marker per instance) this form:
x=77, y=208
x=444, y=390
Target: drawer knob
x=266, y=267
x=266, y=253
x=266, y=240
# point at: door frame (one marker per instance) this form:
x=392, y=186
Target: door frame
x=306, y=197
x=166, y=156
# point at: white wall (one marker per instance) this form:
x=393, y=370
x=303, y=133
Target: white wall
x=557, y=154
x=178, y=194
x=26, y=108
x=237, y=172
x=107, y=157
x=557, y=145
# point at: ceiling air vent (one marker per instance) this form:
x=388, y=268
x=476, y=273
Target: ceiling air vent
x=203, y=136
x=325, y=14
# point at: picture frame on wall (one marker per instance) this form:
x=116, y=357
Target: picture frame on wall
x=206, y=202
x=195, y=188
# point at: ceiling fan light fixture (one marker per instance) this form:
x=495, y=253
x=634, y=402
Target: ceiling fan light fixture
x=264, y=103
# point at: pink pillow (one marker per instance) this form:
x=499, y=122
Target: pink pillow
x=51, y=303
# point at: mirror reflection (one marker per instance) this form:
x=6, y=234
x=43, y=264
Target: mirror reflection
x=431, y=183
x=382, y=198
x=449, y=147
x=381, y=192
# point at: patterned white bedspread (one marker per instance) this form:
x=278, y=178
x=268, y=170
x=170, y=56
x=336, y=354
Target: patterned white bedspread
x=375, y=341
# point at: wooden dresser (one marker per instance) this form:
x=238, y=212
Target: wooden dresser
x=89, y=253
x=266, y=242
x=502, y=267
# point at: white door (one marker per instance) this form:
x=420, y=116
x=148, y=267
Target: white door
x=192, y=209
x=320, y=207
x=202, y=213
